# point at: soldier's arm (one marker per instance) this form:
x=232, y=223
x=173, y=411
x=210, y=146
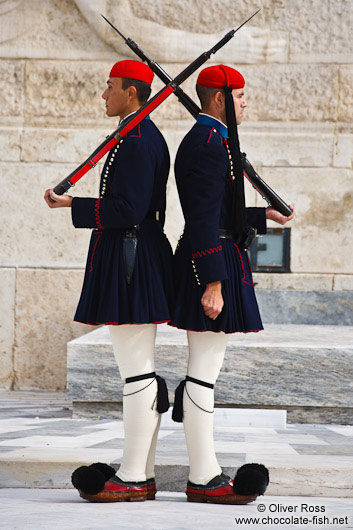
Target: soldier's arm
x=132, y=187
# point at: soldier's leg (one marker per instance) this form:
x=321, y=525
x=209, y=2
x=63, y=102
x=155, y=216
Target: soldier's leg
x=206, y=354
x=152, y=452
x=133, y=347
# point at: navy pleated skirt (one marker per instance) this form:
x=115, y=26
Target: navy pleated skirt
x=240, y=312
x=107, y=298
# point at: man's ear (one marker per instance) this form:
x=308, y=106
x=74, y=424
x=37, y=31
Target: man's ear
x=132, y=92
x=218, y=98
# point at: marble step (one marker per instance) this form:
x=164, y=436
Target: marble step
x=292, y=306
x=303, y=459
x=302, y=369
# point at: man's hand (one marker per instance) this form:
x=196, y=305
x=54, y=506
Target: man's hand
x=274, y=215
x=212, y=300
x=61, y=201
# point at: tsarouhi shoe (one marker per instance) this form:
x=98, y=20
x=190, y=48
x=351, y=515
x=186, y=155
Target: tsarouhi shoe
x=98, y=483
x=151, y=489
x=250, y=481
x=117, y=490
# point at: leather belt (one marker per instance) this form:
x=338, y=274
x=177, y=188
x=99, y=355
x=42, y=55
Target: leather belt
x=224, y=233
x=244, y=242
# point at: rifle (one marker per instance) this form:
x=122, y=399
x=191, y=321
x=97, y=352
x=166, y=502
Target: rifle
x=171, y=86
x=255, y=180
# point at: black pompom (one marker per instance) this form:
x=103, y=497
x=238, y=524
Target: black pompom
x=88, y=480
x=108, y=471
x=251, y=479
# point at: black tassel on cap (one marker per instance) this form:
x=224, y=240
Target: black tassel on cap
x=251, y=479
x=162, y=395
x=240, y=225
x=177, y=414
x=91, y=479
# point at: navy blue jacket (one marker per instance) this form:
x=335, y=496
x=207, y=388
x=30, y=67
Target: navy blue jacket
x=203, y=177
x=135, y=184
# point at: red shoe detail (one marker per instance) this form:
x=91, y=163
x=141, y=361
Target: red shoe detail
x=118, y=491
x=151, y=489
x=224, y=494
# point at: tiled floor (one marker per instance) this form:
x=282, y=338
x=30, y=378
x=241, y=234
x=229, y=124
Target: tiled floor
x=31, y=435
x=63, y=509
x=36, y=434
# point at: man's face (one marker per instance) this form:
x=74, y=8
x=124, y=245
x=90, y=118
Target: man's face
x=239, y=104
x=116, y=98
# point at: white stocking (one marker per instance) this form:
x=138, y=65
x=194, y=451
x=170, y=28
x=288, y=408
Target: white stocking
x=206, y=354
x=133, y=346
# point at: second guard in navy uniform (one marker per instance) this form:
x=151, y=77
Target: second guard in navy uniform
x=214, y=287
x=128, y=282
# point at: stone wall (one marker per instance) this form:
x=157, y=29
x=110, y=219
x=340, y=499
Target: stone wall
x=297, y=58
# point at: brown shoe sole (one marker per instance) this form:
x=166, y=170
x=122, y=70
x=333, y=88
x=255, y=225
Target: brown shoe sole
x=110, y=496
x=222, y=499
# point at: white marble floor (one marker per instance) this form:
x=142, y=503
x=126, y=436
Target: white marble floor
x=25, y=509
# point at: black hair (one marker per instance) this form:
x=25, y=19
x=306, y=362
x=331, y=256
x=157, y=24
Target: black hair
x=143, y=89
x=206, y=94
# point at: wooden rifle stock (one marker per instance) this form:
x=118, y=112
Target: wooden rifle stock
x=264, y=189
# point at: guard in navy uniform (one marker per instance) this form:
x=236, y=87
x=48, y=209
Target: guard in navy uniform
x=128, y=282
x=214, y=287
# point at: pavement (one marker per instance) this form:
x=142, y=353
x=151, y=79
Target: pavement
x=33, y=509
x=41, y=444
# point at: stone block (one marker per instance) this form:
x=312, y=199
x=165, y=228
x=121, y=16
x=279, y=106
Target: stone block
x=54, y=29
x=252, y=45
x=345, y=103
x=43, y=144
x=334, y=308
x=37, y=235
x=319, y=31
x=321, y=238
x=305, y=282
x=343, y=151
x=65, y=92
x=7, y=325
x=11, y=88
x=343, y=282
x=45, y=304
x=10, y=147
x=196, y=16
x=287, y=144
x=274, y=358
x=275, y=92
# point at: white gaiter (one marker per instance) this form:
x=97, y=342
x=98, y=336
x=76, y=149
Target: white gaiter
x=206, y=354
x=133, y=346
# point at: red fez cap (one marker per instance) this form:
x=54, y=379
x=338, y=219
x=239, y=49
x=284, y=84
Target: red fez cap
x=220, y=76
x=132, y=70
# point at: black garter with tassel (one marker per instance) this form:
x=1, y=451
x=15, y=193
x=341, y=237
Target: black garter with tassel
x=162, y=391
x=178, y=410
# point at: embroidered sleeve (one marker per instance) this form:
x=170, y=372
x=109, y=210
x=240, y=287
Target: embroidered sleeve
x=201, y=253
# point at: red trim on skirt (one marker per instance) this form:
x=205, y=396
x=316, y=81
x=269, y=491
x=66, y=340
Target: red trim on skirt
x=118, y=324
x=220, y=331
